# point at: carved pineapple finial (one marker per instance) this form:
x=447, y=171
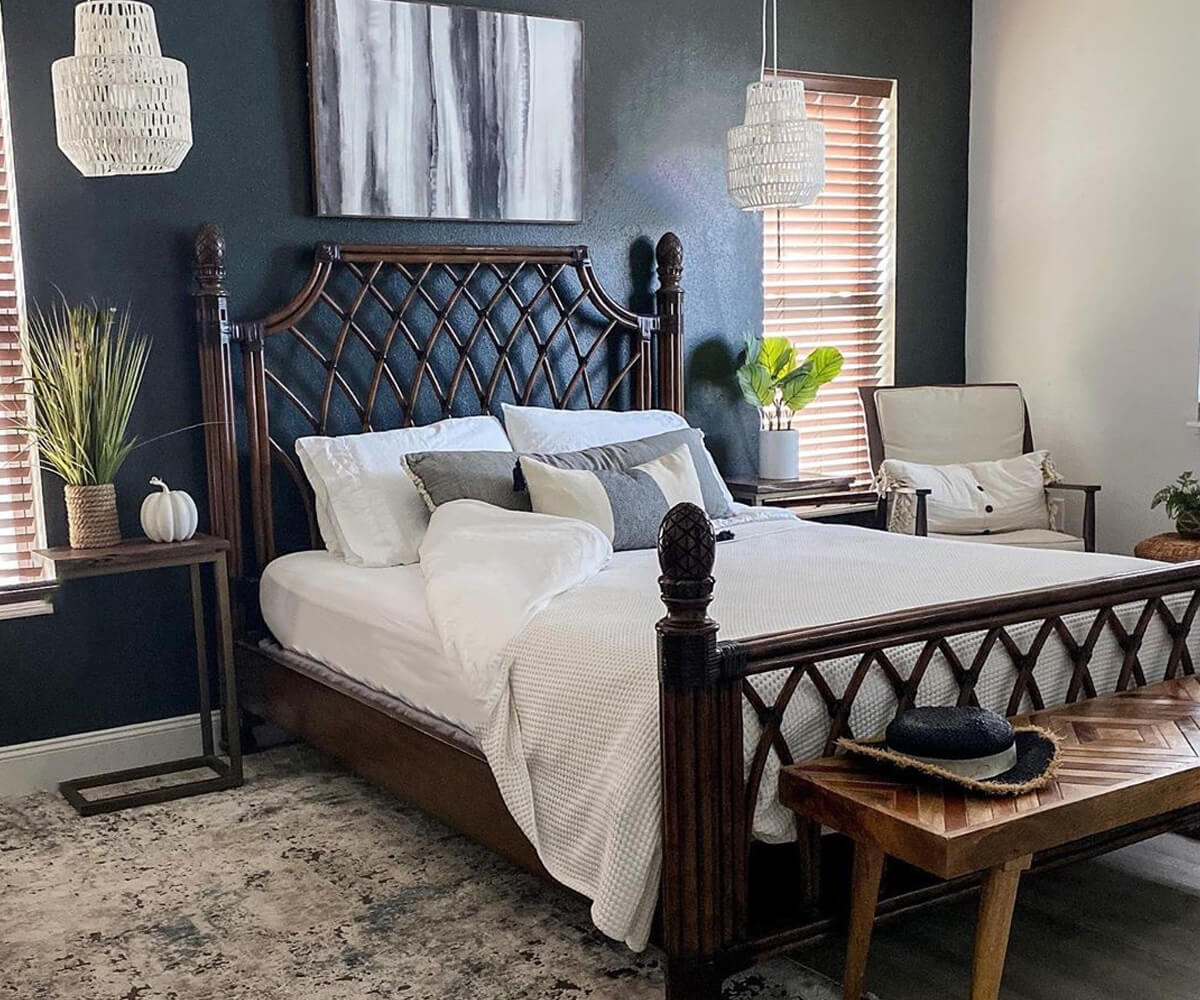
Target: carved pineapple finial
x=670, y=262
x=687, y=549
x=208, y=259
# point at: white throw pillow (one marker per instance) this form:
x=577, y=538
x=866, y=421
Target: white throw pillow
x=979, y=498
x=542, y=430
x=372, y=505
x=628, y=505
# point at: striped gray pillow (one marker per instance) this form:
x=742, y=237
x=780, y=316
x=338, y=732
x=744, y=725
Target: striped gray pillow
x=628, y=505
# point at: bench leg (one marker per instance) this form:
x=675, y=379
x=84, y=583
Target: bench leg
x=991, y=933
x=864, y=897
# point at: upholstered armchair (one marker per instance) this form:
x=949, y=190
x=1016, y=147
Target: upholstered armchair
x=955, y=424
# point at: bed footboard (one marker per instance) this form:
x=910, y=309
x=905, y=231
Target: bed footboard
x=711, y=919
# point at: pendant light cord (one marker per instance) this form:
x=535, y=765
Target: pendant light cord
x=775, y=32
x=762, y=69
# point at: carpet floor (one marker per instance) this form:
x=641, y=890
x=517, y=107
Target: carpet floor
x=305, y=883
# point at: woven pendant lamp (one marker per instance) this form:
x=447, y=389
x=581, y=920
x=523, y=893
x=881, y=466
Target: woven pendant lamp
x=776, y=157
x=119, y=106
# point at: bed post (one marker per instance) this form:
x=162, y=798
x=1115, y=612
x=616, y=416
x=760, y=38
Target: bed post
x=213, y=330
x=704, y=831
x=669, y=307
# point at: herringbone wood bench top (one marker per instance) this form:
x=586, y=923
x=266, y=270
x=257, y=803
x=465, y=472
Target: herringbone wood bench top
x=1126, y=758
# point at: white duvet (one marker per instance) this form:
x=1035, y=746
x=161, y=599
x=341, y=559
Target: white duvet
x=556, y=635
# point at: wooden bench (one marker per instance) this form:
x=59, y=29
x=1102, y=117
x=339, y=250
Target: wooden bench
x=1126, y=758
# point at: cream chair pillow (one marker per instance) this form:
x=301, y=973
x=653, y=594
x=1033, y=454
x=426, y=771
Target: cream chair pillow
x=978, y=498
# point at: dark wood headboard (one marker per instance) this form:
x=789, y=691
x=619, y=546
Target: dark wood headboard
x=388, y=336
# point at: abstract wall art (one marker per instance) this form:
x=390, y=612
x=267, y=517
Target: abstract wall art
x=439, y=112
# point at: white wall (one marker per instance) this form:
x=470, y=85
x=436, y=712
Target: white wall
x=1083, y=274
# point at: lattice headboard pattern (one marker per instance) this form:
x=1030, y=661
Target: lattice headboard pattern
x=388, y=336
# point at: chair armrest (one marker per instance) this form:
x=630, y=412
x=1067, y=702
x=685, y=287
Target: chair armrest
x=1089, y=491
x=1078, y=487
x=921, y=518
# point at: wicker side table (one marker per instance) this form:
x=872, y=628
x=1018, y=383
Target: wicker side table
x=1170, y=547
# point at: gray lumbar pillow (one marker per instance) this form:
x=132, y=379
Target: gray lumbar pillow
x=442, y=476
x=490, y=476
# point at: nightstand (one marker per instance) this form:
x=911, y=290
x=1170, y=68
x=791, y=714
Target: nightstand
x=815, y=500
x=138, y=556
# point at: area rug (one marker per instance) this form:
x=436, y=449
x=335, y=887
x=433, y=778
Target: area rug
x=305, y=883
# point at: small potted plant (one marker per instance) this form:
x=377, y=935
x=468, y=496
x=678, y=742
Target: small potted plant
x=1181, y=501
x=85, y=369
x=779, y=386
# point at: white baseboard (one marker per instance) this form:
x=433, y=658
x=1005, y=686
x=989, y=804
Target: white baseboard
x=28, y=767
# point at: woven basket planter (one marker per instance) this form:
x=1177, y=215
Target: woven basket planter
x=92, y=516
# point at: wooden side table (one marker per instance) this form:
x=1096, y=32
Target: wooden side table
x=1171, y=547
x=140, y=555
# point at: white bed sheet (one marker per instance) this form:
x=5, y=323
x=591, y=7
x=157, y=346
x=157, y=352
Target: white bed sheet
x=369, y=624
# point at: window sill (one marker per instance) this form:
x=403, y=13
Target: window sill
x=1194, y=424
x=27, y=600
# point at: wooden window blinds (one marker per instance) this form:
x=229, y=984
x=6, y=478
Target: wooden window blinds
x=829, y=268
x=20, y=517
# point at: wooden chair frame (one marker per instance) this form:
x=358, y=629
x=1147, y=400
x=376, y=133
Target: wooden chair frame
x=721, y=908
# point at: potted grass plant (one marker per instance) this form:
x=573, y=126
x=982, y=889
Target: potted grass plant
x=779, y=386
x=86, y=365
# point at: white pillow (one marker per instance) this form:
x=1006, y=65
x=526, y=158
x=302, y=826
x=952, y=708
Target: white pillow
x=979, y=498
x=326, y=524
x=371, y=503
x=546, y=431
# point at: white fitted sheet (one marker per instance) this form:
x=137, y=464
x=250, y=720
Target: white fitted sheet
x=369, y=624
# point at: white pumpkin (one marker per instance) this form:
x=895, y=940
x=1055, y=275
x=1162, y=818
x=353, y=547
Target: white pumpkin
x=169, y=516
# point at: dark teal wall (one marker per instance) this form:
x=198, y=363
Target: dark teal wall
x=665, y=79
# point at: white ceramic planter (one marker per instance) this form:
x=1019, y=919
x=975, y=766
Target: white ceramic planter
x=779, y=454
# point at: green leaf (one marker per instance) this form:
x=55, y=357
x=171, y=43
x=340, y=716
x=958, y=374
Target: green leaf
x=799, y=389
x=777, y=355
x=757, y=385
x=825, y=364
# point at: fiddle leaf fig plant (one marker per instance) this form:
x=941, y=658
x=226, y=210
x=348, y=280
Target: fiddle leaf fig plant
x=779, y=387
x=1181, y=500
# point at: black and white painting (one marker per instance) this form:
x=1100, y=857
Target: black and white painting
x=429, y=111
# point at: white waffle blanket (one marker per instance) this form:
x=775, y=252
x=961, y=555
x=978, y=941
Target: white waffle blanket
x=558, y=633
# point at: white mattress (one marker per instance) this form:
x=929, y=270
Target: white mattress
x=369, y=624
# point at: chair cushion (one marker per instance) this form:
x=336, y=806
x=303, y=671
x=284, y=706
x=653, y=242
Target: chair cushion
x=1030, y=538
x=944, y=425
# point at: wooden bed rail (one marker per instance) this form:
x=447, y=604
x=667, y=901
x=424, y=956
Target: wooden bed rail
x=709, y=794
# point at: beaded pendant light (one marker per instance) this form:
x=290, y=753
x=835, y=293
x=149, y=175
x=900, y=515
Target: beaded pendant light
x=119, y=106
x=776, y=158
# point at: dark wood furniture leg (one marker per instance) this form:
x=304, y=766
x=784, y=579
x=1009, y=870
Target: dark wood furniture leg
x=198, y=630
x=991, y=932
x=864, y=897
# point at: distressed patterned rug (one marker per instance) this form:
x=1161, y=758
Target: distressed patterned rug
x=305, y=883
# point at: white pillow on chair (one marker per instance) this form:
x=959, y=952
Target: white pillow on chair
x=979, y=498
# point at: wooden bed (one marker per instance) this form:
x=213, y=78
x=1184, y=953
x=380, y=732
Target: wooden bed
x=387, y=336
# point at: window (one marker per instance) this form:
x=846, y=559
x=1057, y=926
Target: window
x=20, y=500
x=829, y=268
